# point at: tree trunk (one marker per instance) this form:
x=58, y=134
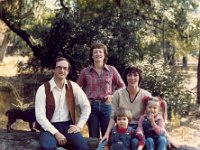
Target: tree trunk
x=27, y=140
x=198, y=80
x=4, y=47
x=185, y=62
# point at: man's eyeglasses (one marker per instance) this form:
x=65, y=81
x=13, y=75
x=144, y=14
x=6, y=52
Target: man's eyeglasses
x=61, y=68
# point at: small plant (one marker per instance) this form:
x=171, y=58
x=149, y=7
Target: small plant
x=175, y=120
x=20, y=101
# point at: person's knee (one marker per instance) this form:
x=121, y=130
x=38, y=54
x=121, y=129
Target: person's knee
x=134, y=143
x=162, y=143
x=47, y=141
x=47, y=147
x=80, y=144
x=149, y=143
x=82, y=147
x=162, y=140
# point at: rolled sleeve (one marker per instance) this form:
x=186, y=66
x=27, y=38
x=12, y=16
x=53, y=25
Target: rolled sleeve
x=140, y=128
x=115, y=102
x=40, y=111
x=81, y=101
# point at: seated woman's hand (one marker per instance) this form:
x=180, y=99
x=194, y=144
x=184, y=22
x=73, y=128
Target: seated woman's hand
x=105, y=137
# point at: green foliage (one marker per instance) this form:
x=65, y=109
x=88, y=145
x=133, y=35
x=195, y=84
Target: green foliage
x=64, y=38
x=71, y=36
x=132, y=30
x=167, y=82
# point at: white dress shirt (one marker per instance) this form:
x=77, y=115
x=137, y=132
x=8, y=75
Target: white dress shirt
x=61, y=113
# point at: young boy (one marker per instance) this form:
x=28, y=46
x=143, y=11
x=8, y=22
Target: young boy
x=121, y=135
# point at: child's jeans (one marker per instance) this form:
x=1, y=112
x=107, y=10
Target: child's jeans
x=160, y=142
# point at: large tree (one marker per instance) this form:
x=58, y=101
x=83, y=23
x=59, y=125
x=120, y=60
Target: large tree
x=132, y=29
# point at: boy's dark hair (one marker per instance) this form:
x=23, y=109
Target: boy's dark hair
x=99, y=45
x=131, y=69
x=61, y=59
x=122, y=112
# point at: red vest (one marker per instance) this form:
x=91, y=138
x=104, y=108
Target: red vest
x=50, y=102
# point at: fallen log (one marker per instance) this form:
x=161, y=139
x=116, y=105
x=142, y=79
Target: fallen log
x=26, y=140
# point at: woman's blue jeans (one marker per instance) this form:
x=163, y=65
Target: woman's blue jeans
x=99, y=118
x=74, y=140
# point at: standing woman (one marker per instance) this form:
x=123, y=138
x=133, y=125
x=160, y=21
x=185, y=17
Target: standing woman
x=130, y=98
x=99, y=81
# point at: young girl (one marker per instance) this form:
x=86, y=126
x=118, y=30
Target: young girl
x=121, y=135
x=152, y=124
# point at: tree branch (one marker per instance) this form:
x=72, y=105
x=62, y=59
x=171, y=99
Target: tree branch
x=63, y=5
x=33, y=44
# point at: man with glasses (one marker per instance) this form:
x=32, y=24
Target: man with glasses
x=55, y=110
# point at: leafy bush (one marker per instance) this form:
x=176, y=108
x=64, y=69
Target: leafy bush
x=167, y=82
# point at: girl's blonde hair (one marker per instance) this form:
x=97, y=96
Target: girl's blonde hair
x=162, y=104
x=122, y=112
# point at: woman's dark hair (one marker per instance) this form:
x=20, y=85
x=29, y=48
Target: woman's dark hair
x=99, y=45
x=131, y=69
x=61, y=59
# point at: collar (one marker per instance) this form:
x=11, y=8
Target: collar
x=53, y=84
x=121, y=130
x=104, y=67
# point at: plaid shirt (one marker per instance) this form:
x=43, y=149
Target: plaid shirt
x=98, y=86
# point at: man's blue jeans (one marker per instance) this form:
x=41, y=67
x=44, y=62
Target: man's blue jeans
x=74, y=140
x=99, y=118
x=160, y=143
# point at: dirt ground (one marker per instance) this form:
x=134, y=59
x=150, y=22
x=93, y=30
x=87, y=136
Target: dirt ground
x=8, y=67
x=188, y=134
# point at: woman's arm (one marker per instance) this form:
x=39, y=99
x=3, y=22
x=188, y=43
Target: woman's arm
x=109, y=128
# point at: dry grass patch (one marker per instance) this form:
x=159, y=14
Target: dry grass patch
x=8, y=67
